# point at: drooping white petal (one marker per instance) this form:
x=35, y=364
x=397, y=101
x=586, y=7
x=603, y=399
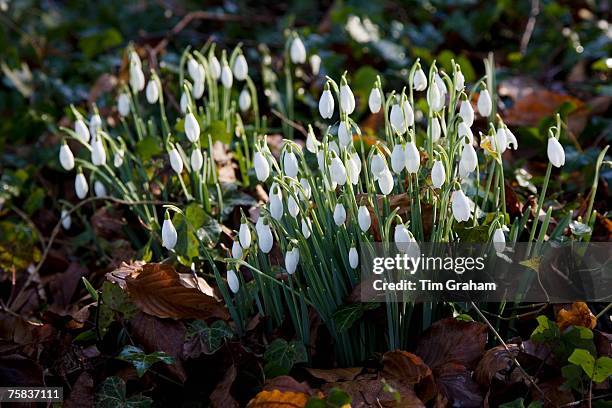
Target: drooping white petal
x=241, y=68
x=353, y=257
x=169, y=235
x=264, y=235
x=419, y=81
x=438, y=174
x=396, y=117
x=184, y=103
x=468, y=161
x=345, y=136
x=413, y=158
x=364, y=218
x=80, y=128
x=312, y=144
x=377, y=166
x=232, y=281
x=436, y=130
x=463, y=130
x=347, y=99
x=290, y=164
x=152, y=91
x=99, y=189
x=297, y=51
x=466, y=112
x=337, y=171
x=511, y=140
x=292, y=206
x=375, y=100
x=499, y=240
x=244, y=100
x=80, y=186
x=66, y=220
x=123, y=104
x=262, y=167
x=459, y=81
x=484, y=103
x=197, y=160
x=398, y=159
x=556, y=154
x=326, y=104
x=227, y=79
x=385, y=181
x=98, y=154
x=215, y=67
x=244, y=235
x=236, y=250
x=66, y=157
x=306, y=227
x=315, y=64
x=95, y=125
x=176, y=162
x=460, y=206
x=339, y=214
x=292, y=259
x=118, y=158
x=276, y=203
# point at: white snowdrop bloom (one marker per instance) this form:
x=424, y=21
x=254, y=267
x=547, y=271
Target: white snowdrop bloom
x=333, y=146
x=353, y=169
x=80, y=185
x=176, y=162
x=468, y=161
x=297, y=51
x=264, y=235
x=241, y=68
x=232, y=281
x=435, y=130
x=137, y=78
x=345, y=136
x=290, y=164
x=215, y=67
x=459, y=81
x=484, y=103
x=339, y=214
x=123, y=104
x=405, y=242
x=197, y=160
x=364, y=218
x=95, y=124
x=293, y=207
x=441, y=86
x=408, y=113
x=118, y=158
x=556, y=154
x=262, y=167
x=398, y=159
x=321, y=160
x=169, y=235
x=276, y=202
x=337, y=171
x=66, y=220
x=99, y=189
x=315, y=64
x=66, y=157
x=326, y=104
x=244, y=100
x=312, y=144
x=499, y=240
x=227, y=79
x=434, y=98
x=306, y=227
x=81, y=130
x=385, y=182
x=198, y=89
x=192, y=128
x=98, y=154
x=375, y=100
x=184, y=103
x=347, y=99
x=511, y=140
x=152, y=91
x=236, y=249
x=413, y=158
x=378, y=165
x=463, y=130
x=305, y=194
x=244, y=235
x=500, y=142
x=193, y=69
x=460, y=206
x=466, y=112
x=396, y=117
x=292, y=259
x=419, y=80
x=401, y=234
x=353, y=257
x=438, y=174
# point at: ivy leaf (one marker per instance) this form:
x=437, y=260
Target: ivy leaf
x=347, y=315
x=111, y=394
x=204, y=339
x=281, y=356
x=546, y=332
x=142, y=361
x=603, y=369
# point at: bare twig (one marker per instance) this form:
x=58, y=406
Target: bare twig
x=290, y=122
x=533, y=15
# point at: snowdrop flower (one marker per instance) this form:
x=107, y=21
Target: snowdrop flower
x=398, y=159
x=466, y=112
x=198, y=89
x=377, y=166
x=312, y=144
x=244, y=234
x=98, y=154
x=244, y=100
x=315, y=64
x=434, y=98
x=169, y=235
x=192, y=128
x=152, y=91
x=326, y=104
x=459, y=80
x=435, y=130
x=264, y=235
x=306, y=227
x=413, y=158
x=419, y=80
x=197, y=160
x=353, y=169
x=400, y=117
x=339, y=214
x=276, y=202
x=123, y=104
x=293, y=207
x=353, y=257
x=463, y=131
x=484, y=103
x=66, y=157
x=262, y=167
x=80, y=128
x=232, y=281
x=80, y=185
x=468, y=161
x=176, y=162
x=292, y=257
x=385, y=181
x=137, y=78
x=236, y=249
x=375, y=100
x=499, y=240
x=460, y=206
x=215, y=67
x=193, y=69
x=364, y=218
x=306, y=187
x=297, y=51
x=347, y=99
x=183, y=103
x=290, y=164
x=66, y=220
x=438, y=174
x=499, y=141
x=99, y=189
x=241, y=69
x=337, y=171
x=345, y=136
x=441, y=86
x=95, y=124
x=556, y=154
x=226, y=76
x=511, y=139
x=405, y=242
x=118, y=158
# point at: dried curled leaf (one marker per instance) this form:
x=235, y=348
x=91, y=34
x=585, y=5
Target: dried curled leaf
x=278, y=399
x=578, y=314
x=498, y=363
x=377, y=393
x=410, y=369
x=336, y=374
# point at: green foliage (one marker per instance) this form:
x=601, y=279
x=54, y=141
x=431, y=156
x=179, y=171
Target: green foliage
x=520, y=403
x=347, y=315
x=281, y=356
x=336, y=398
x=210, y=338
x=112, y=394
x=596, y=369
x=563, y=344
x=142, y=361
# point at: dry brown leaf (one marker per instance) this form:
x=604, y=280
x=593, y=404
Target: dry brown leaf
x=498, y=363
x=457, y=385
x=372, y=393
x=278, y=399
x=221, y=397
x=119, y=275
x=82, y=393
x=336, y=374
x=578, y=314
x=410, y=369
x=287, y=383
